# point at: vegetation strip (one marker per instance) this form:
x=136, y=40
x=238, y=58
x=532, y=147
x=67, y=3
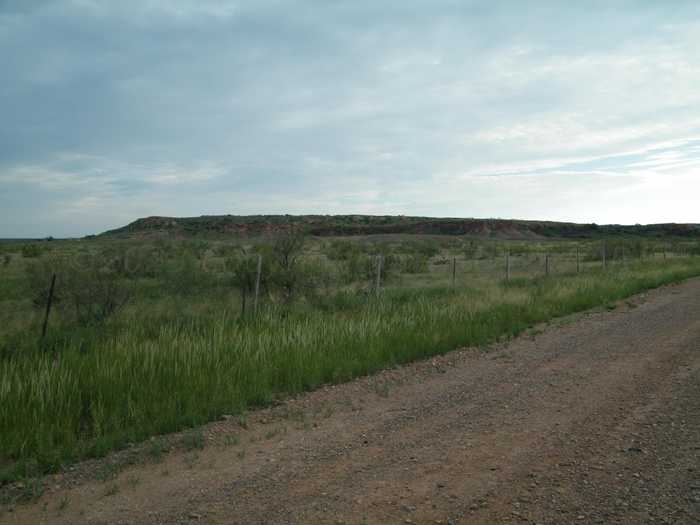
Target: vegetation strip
x=90, y=396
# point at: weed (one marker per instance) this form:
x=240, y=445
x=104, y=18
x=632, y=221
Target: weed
x=193, y=440
x=296, y=414
x=157, y=448
x=275, y=432
x=381, y=388
x=133, y=480
x=108, y=471
x=191, y=459
x=231, y=441
x=29, y=490
x=111, y=490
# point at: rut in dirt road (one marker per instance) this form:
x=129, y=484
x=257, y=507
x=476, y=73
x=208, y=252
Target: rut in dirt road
x=594, y=420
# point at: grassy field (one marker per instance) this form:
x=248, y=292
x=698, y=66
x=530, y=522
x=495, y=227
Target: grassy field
x=151, y=337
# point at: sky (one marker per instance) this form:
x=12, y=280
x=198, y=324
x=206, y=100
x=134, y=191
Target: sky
x=585, y=111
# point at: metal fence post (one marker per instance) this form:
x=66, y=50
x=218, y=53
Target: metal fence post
x=48, y=306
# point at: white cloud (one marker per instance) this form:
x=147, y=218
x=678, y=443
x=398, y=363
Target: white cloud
x=117, y=109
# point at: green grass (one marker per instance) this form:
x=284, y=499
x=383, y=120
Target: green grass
x=172, y=367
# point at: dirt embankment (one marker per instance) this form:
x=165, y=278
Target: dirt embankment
x=594, y=419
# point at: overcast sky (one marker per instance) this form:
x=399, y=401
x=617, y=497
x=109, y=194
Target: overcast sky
x=112, y=110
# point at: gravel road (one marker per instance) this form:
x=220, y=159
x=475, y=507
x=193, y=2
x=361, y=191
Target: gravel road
x=593, y=418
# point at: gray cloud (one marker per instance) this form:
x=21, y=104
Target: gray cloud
x=113, y=110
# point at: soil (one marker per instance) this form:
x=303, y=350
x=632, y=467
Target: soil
x=593, y=418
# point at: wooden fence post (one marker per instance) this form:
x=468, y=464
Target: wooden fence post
x=454, y=271
x=379, y=274
x=605, y=254
x=578, y=260
x=546, y=264
x=507, y=266
x=257, y=284
x=48, y=306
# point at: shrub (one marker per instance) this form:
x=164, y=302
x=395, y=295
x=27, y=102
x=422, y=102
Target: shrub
x=242, y=274
x=364, y=268
x=415, y=263
x=316, y=277
x=285, y=273
x=425, y=247
x=287, y=248
x=93, y=290
x=38, y=277
x=86, y=286
x=30, y=251
x=184, y=276
x=135, y=262
x=341, y=250
x=198, y=249
x=227, y=250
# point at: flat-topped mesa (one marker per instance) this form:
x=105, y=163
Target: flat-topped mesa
x=347, y=225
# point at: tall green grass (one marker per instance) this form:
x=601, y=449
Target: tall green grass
x=86, y=398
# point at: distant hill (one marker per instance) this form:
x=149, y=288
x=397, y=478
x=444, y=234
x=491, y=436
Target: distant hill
x=217, y=226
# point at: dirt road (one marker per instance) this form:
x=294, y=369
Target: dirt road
x=592, y=419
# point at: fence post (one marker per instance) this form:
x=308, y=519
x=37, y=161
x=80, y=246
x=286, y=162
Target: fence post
x=546, y=264
x=379, y=273
x=507, y=266
x=48, y=306
x=605, y=254
x=454, y=271
x=257, y=283
x=578, y=260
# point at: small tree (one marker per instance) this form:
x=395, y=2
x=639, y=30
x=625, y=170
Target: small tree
x=243, y=272
x=38, y=277
x=96, y=294
x=415, y=263
x=342, y=250
x=89, y=287
x=287, y=247
x=31, y=251
x=286, y=251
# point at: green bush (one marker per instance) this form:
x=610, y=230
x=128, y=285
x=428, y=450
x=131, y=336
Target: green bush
x=38, y=280
x=30, y=251
x=184, y=276
x=88, y=289
x=341, y=250
x=426, y=247
x=415, y=263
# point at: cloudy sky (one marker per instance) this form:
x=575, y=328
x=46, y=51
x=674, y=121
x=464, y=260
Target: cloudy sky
x=113, y=110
